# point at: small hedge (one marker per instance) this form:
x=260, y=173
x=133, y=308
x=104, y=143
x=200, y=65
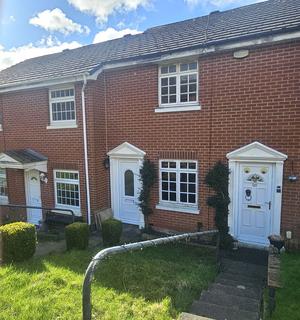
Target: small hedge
x=77, y=236
x=19, y=241
x=111, y=232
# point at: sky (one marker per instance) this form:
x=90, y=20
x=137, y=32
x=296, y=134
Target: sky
x=30, y=28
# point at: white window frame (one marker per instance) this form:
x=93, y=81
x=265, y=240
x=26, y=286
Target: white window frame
x=177, y=205
x=186, y=106
x=75, y=209
x=4, y=199
x=60, y=124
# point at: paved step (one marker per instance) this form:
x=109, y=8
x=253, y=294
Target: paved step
x=242, y=277
x=189, y=316
x=242, y=292
x=218, y=312
x=221, y=299
x=221, y=279
x=242, y=268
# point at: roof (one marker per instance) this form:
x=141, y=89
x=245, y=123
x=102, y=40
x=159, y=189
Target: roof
x=273, y=16
x=25, y=156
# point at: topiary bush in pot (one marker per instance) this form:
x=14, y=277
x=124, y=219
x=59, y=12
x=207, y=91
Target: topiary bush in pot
x=111, y=232
x=77, y=235
x=18, y=241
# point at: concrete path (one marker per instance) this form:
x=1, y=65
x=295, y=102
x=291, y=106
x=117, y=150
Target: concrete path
x=237, y=291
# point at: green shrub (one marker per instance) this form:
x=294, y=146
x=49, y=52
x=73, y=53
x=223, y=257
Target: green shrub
x=77, y=235
x=111, y=232
x=19, y=241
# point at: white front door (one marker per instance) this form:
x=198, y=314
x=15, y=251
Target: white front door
x=129, y=188
x=33, y=196
x=255, y=202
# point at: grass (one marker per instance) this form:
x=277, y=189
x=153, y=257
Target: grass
x=156, y=283
x=288, y=297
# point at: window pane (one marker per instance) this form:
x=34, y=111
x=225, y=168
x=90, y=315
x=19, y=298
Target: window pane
x=172, y=68
x=172, y=164
x=164, y=164
x=192, y=188
x=192, y=177
x=164, y=186
x=164, y=196
x=183, y=187
x=172, y=89
x=183, y=165
x=192, y=78
x=184, y=67
x=183, y=79
x=172, y=80
x=164, y=81
x=164, y=99
x=164, y=69
x=129, y=183
x=193, y=66
x=183, y=98
x=173, y=186
x=164, y=176
x=192, y=97
x=183, y=88
x=173, y=99
x=164, y=90
x=172, y=196
x=183, y=177
x=192, y=198
x=172, y=176
x=183, y=197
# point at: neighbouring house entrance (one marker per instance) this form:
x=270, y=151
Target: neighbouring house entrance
x=32, y=163
x=125, y=164
x=33, y=196
x=255, y=190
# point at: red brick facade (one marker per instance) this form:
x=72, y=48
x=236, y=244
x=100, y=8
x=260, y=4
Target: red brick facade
x=242, y=100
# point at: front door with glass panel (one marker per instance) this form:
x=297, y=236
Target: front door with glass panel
x=33, y=196
x=129, y=186
x=255, y=202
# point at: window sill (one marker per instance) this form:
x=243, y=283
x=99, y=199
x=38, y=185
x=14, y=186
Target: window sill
x=3, y=200
x=162, y=206
x=1, y=129
x=178, y=108
x=76, y=212
x=65, y=125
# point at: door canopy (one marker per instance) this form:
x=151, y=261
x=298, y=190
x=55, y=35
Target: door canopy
x=256, y=151
x=126, y=150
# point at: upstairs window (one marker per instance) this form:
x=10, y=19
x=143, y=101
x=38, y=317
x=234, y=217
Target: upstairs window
x=179, y=183
x=62, y=106
x=178, y=84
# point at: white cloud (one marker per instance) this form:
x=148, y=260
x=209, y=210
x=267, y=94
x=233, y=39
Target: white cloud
x=44, y=46
x=56, y=20
x=102, y=9
x=219, y=3
x=111, y=33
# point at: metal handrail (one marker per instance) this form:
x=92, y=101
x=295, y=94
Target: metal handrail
x=36, y=207
x=101, y=255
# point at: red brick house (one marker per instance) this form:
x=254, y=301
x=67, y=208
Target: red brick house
x=185, y=95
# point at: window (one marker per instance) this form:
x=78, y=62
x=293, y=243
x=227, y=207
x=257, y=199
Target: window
x=178, y=84
x=178, y=182
x=62, y=106
x=67, y=189
x=129, y=183
x=3, y=187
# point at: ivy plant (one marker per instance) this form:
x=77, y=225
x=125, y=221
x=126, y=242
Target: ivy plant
x=217, y=179
x=148, y=178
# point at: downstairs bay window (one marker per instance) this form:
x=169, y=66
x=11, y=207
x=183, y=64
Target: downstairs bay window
x=67, y=190
x=178, y=190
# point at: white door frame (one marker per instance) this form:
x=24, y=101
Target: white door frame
x=255, y=153
x=27, y=191
x=125, y=151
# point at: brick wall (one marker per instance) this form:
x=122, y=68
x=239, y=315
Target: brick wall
x=242, y=100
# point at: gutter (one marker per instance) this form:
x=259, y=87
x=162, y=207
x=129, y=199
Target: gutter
x=85, y=147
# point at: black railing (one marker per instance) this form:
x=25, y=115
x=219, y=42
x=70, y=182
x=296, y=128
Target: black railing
x=50, y=209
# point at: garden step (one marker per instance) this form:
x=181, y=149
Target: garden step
x=238, y=282
x=189, y=316
x=253, y=293
x=251, y=270
x=218, y=312
x=243, y=303
x=255, y=281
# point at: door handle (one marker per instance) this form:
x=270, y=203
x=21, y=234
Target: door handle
x=269, y=203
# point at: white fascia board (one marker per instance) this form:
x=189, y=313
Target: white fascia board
x=234, y=44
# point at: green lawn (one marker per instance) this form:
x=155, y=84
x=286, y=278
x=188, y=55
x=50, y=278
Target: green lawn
x=288, y=298
x=156, y=283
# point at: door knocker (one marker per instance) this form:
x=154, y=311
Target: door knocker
x=248, y=195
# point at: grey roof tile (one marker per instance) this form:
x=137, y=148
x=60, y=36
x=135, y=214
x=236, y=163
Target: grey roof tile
x=26, y=155
x=247, y=21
